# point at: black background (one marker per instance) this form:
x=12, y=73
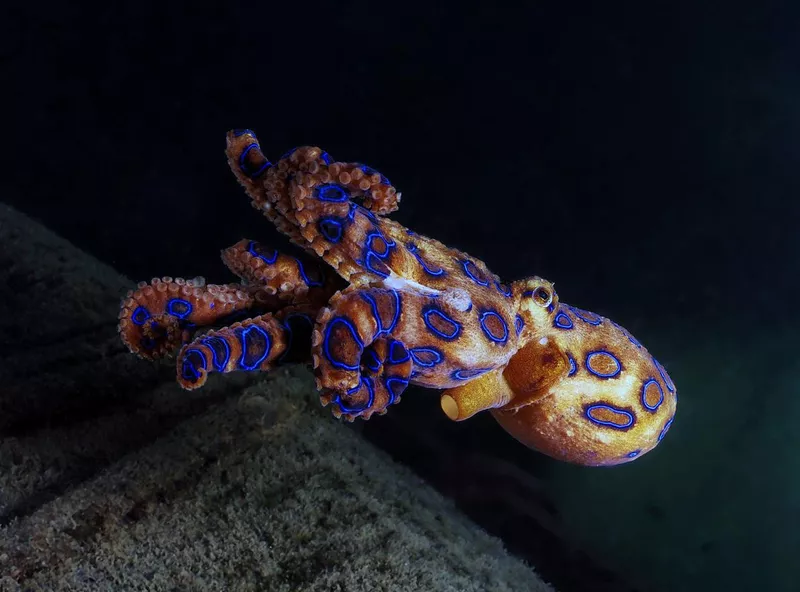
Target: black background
x=642, y=155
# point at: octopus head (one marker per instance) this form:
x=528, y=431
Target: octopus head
x=582, y=389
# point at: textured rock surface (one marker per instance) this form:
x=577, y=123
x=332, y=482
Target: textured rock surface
x=113, y=478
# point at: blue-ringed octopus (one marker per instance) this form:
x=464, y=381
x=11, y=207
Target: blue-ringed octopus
x=374, y=307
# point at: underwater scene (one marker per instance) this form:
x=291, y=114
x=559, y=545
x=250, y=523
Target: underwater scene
x=447, y=297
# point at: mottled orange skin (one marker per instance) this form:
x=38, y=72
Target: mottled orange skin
x=401, y=309
x=632, y=396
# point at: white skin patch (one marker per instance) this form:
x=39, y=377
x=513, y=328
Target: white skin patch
x=398, y=283
x=543, y=341
x=603, y=437
x=457, y=298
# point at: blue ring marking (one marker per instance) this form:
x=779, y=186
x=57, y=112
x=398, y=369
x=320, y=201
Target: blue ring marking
x=331, y=229
x=373, y=263
x=375, y=313
x=325, y=157
x=428, y=270
x=140, y=315
x=370, y=359
x=370, y=171
x=487, y=330
x=665, y=429
x=466, y=265
x=220, y=351
x=175, y=305
x=370, y=388
x=627, y=334
x=331, y=192
x=310, y=283
x=586, y=316
x=551, y=307
x=189, y=368
x=243, y=335
x=373, y=259
x=644, y=395
x=610, y=424
x=251, y=248
x=288, y=153
x=504, y=290
x=386, y=244
x=573, y=367
x=664, y=376
x=243, y=166
x=147, y=342
x=240, y=132
x=562, y=321
x=354, y=207
x=397, y=304
x=390, y=383
x=633, y=340
x=519, y=324
x=429, y=311
x=634, y=453
x=419, y=355
x=326, y=343
x=468, y=373
x=600, y=352
x=414, y=250
x=394, y=357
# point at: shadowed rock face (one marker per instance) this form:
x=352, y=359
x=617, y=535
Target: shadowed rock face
x=110, y=476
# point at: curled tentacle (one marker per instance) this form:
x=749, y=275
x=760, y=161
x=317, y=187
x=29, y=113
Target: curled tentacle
x=360, y=367
x=279, y=278
x=247, y=162
x=252, y=345
x=384, y=371
x=265, y=183
x=156, y=318
x=325, y=190
x=305, y=189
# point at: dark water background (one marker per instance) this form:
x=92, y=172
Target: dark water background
x=644, y=156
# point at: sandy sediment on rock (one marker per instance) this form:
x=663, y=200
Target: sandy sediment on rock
x=112, y=478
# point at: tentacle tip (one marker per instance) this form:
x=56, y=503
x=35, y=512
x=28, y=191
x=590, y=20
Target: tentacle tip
x=190, y=385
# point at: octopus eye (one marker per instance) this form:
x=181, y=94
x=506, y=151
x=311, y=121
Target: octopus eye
x=542, y=296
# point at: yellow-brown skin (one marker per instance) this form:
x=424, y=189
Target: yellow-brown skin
x=581, y=390
x=400, y=309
